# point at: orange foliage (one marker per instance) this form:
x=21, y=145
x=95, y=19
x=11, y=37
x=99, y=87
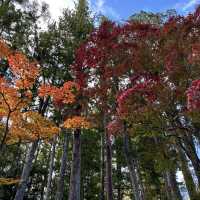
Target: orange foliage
x=9, y=181
x=30, y=126
x=77, y=122
x=65, y=94
x=25, y=72
x=15, y=96
x=4, y=49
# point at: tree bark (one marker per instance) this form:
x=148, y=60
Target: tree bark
x=191, y=188
x=190, y=150
x=134, y=176
x=26, y=171
x=108, y=148
x=171, y=188
x=175, y=189
x=51, y=166
x=74, y=193
x=63, y=167
x=119, y=172
x=102, y=194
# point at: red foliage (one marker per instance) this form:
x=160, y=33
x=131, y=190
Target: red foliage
x=135, y=98
x=115, y=127
x=113, y=51
x=193, y=96
x=195, y=54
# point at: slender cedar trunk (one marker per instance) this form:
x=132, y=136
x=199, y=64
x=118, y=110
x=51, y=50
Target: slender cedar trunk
x=191, y=188
x=119, y=177
x=108, y=147
x=167, y=191
x=34, y=162
x=29, y=159
x=26, y=171
x=190, y=150
x=132, y=170
x=102, y=194
x=171, y=188
x=175, y=189
x=109, y=168
x=139, y=179
x=63, y=168
x=74, y=193
x=51, y=166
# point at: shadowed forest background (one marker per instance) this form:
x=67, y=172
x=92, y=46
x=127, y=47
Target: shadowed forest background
x=92, y=109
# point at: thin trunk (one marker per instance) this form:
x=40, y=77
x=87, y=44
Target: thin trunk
x=102, y=194
x=63, y=168
x=108, y=147
x=190, y=150
x=171, y=188
x=119, y=178
x=51, y=166
x=109, y=168
x=139, y=179
x=74, y=193
x=131, y=167
x=26, y=171
x=167, y=192
x=187, y=174
x=175, y=189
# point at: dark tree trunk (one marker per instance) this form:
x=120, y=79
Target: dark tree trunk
x=109, y=188
x=26, y=171
x=102, y=194
x=74, y=193
x=171, y=188
x=175, y=189
x=119, y=174
x=191, y=188
x=51, y=166
x=190, y=150
x=133, y=170
x=63, y=167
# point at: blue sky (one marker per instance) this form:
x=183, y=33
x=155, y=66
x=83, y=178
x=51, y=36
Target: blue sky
x=122, y=9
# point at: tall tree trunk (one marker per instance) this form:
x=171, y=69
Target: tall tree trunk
x=109, y=187
x=51, y=166
x=167, y=191
x=139, y=179
x=119, y=172
x=26, y=171
x=138, y=195
x=175, y=189
x=171, y=188
x=191, y=188
x=63, y=167
x=74, y=193
x=102, y=194
x=190, y=150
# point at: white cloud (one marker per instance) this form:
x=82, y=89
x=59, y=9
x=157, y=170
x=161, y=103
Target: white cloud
x=184, y=7
x=97, y=6
x=101, y=7
x=56, y=6
x=190, y=4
